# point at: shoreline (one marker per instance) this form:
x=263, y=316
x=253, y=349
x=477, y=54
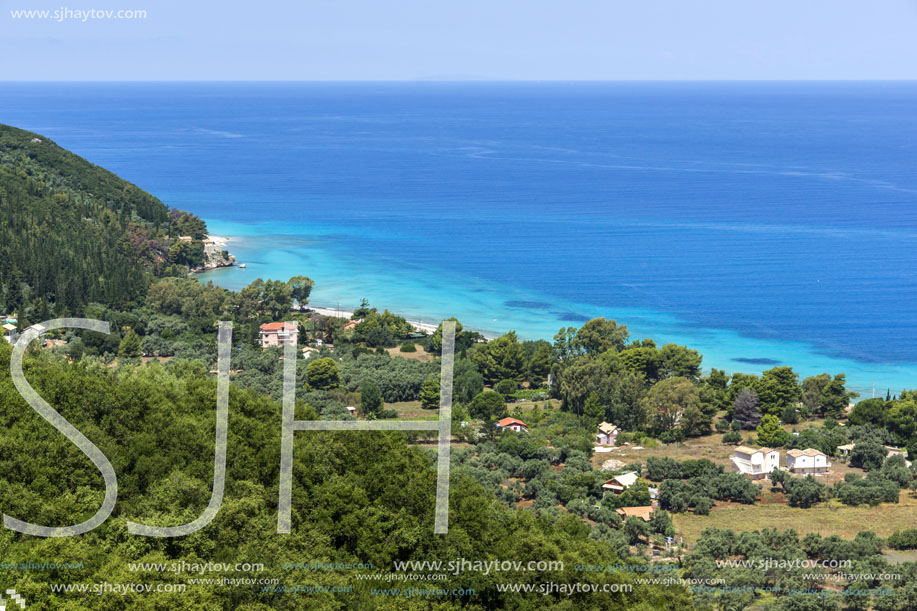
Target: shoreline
x=341, y=313
x=491, y=311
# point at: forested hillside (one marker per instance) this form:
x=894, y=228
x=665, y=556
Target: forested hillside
x=72, y=233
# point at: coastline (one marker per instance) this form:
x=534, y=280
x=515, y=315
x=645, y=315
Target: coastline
x=214, y=248
x=339, y=313
x=344, y=273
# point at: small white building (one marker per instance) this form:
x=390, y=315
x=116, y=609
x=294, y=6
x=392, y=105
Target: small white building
x=620, y=483
x=512, y=424
x=352, y=410
x=9, y=332
x=755, y=464
x=607, y=434
x=809, y=460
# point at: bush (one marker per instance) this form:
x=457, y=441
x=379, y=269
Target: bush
x=702, y=505
x=733, y=438
x=506, y=388
x=658, y=469
x=904, y=539
x=408, y=347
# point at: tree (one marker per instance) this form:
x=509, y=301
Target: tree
x=668, y=400
x=129, y=347
x=777, y=389
x=901, y=420
x=581, y=377
x=834, y=397
x=644, y=359
x=487, y=405
x=680, y=361
x=323, y=374
x=506, y=388
x=371, y=401
x=811, y=391
x=804, y=492
x=300, y=289
x=746, y=409
x=871, y=411
x=500, y=359
x=868, y=454
x=599, y=335
x=539, y=365
x=467, y=381
x=593, y=408
x=635, y=528
x=770, y=433
x=778, y=477
x=429, y=393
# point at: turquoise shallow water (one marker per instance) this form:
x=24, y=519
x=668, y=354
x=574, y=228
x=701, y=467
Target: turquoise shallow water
x=344, y=274
x=760, y=223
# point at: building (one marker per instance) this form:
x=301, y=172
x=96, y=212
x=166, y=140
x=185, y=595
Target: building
x=607, y=434
x=352, y=410
x=645, y=512
x=806, y=461
x=845, y=449
x=278, y=334
x=352, y=324
x=620, y=483
x=512, y=424
x=755, y=464
x=9, y=332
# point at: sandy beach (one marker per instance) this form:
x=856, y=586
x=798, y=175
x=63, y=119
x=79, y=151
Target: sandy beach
x=339, y=313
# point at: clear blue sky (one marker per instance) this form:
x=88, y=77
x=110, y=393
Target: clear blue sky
x=464, y=39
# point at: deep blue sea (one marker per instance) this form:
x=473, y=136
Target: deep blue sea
x=761, y=223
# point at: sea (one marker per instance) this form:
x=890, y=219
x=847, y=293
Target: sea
x=761, y=223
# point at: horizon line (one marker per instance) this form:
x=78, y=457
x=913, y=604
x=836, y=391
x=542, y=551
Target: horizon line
x=468, y=80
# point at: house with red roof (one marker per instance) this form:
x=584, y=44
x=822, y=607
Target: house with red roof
x=512, y=424
x=278, y=334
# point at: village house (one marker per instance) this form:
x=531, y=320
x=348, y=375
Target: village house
x=644, y=513
x=278, y=334
x=9, y=332
x=512, y=424
x=845, y=449
x=620, y=483
x=809, y=460
x=352, y=324
x=352, y=410
x=755, y=464
x=607, y=434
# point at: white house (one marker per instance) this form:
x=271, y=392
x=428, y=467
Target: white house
x=806, y=461
x=9, y=332
x=352, y=410
x=607, y=434
x=512, y=424
x=755, y=464
x=620, y=483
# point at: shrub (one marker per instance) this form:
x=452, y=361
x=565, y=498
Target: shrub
x=733, y=438
x=408, y=347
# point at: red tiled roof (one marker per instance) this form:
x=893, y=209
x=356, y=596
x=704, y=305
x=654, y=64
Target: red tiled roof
x=277, y=326
x=511, y=421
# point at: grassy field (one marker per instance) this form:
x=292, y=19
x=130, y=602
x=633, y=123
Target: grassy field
x=825, y=519
x=420, y=355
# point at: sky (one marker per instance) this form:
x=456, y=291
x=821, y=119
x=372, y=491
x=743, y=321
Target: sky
x=458, y=40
